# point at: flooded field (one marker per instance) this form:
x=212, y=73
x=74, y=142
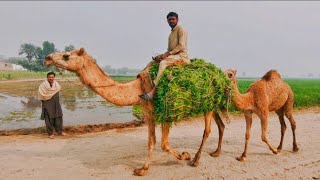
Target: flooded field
x=20, y=107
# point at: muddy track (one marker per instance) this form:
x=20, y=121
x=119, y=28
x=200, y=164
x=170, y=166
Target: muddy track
x=76, y=130
x=114, y=154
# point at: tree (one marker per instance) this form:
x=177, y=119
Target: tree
x=38, y=53
x=47, y=48
x=29, y=49
x=123, y=71
x=69, y=48
x=108, y=69
x=42, y=53
x=31, y=66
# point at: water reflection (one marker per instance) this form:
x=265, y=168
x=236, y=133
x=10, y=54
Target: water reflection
x=32, y=102
x=80, y=105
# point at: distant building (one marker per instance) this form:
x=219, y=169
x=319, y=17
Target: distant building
x=4, y=66
x=17, y=67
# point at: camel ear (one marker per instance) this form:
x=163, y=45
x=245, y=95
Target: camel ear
x=235, y=72
x=81, y=52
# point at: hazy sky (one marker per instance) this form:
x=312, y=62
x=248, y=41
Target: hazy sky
x=252, y=37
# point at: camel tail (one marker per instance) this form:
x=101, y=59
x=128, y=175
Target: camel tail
x=272, y=74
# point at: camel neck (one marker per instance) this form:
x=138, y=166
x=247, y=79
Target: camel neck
x=241, y=101
x=119, y=94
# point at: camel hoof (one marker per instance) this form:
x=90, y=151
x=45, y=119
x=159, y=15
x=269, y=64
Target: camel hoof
x=215, y=154
x=295, y=149
x=279, y=149
x=185, y=156
x=195, y=162
x=275, y=151
x=242, y=159
x=140, y=172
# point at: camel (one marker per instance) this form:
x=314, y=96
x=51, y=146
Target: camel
x=91, y=75
x=270, y=93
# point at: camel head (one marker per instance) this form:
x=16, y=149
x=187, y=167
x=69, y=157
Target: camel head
x=73, y=61
x=231, y=74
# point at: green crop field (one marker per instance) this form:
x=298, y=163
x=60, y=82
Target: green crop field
x=11, y=75
x=123, y=78
x=306, y=91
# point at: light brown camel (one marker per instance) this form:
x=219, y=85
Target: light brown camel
x=270, y=93
x=92, y=76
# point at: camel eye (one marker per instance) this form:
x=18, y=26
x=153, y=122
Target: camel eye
x=229, y=75
x=66, y=57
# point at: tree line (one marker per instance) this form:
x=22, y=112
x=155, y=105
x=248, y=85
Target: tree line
x=34, y=57
x=120, y=71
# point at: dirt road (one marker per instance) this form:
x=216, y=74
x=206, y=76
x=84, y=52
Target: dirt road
x=115, y=154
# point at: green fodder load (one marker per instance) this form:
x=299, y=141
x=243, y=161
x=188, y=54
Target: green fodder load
x=188, y=90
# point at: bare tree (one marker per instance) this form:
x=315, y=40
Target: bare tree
x=29, y=49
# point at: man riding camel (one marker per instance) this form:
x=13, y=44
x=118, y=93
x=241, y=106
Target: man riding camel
x=177, y=51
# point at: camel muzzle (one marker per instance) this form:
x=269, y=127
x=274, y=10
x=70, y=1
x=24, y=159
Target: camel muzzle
x=48, y=60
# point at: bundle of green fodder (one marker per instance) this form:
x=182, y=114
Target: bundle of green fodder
x=188, y=90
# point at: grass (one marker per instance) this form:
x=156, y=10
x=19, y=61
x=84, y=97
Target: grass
x=123, y=78
x=18, y=115
x=186, y=91
x=306, y=91
x=11, y=75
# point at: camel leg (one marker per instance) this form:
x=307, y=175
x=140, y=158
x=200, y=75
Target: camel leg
x=165, y=144
x=248, y=117
x=151, y=142
x=288, y=113
x=280, y=113
x=221, y=126
x=264, y=128
x=206, y=132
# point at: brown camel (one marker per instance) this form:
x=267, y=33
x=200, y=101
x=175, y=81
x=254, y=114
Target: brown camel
x=270, y=93
x=92, y=76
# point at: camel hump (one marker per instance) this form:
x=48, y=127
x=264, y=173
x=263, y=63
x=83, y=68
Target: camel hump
x=272, y=74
